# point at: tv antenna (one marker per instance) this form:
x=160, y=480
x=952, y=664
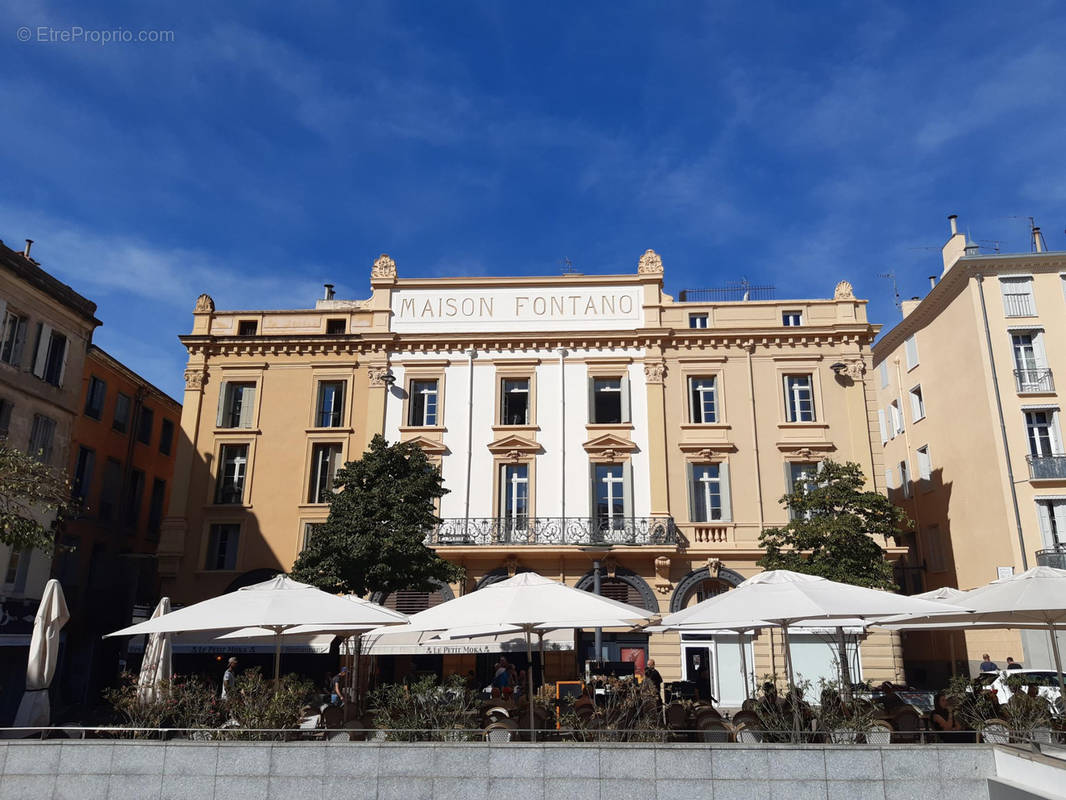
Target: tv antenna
x=1036, y=238
x=895, y=288
x=568, y=267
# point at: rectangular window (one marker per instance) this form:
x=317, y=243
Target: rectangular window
x=697, y=320
x=309, y=531
x=336, y=327
x=14, y=333
x=423, y=404
x=883, y=370
x=1018, y=297
x=1052, y=516
x=896, y=419
x=155, y=506
x=514, y=497
x=134, y=495
x=904, y=479
x=705, y=488
x=514, y=401
x=882, y=425
x=802, y=477
x=609, y=404
x=325, y=461
x=144, y=425
x=1041, y=433
x=18, y=568
x=791, y=319
x=917, y=404
x=42, y=434
x=233, y=467
x=166, y=437
x=934, y=545
x=222, y=543
x=911, y=347
x=703, y=400
x=925, y=466
x=610, y=496
x=1030, y=363
x=121, y=421
x=94, y=397
x=55, y=359
x=329, y=411
x=83, y=474
x=247, y=327
x=110, y=489
x=799, y=398
x=6, y=407
x=236, y=406
x=889, y=479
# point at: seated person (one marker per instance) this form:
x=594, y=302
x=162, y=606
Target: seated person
x=891, y=701
x=942, y=720
x=794, y=700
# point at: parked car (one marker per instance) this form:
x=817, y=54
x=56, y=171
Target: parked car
x=1047, y=681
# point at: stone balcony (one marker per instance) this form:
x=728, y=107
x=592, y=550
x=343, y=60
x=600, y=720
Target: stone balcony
x=555, y=531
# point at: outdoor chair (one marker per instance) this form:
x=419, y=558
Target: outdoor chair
x=995, y=731
x=714, y=729
x=907, y=725
x=748, y=735
x=676, y=716
x=842, y=736
x=333, y=717
x=880, y=732
x=499, y=733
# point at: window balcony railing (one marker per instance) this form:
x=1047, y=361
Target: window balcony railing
x=1034, y=381
x=1052, y=557
x=554, y=531
x=1047, y=467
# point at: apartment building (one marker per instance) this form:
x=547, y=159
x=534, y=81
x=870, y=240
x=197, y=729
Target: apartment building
x=580, y=422
x=968, y=411
x=121, y=464
x=46, y=331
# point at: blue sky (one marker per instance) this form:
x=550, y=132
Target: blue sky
x=266, y=151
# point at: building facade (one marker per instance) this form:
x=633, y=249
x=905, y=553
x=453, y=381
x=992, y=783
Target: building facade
x=969, y=420
x=121, y=464
x=47, y=329
x=577, y=420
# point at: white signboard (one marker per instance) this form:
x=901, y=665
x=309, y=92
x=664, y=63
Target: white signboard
x=577, y=308
x=1004, y=572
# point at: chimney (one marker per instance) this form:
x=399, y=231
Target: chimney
x=956, y=244
x=1038, y=240
x=328, y=293
x=29, y=244
x=932, y=281
x=954, y=220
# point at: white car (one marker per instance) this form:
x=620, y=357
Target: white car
x=1046, y=679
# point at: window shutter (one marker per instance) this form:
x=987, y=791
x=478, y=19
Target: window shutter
x=690, y=470
x=247, y=406
x=1039, y=354
x=223, y=392
x=20, y=341
x=3, y=312
x=1043, y=514
x=888, y=478
x=627, y=487
x=727, y=505
x=882, y=426
x=1058, y=509
x=40, y=358
x=625, y=399
x=66, y=355
x=592, y=404
x=1056, y=434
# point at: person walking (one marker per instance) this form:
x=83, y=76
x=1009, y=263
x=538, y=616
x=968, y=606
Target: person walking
x=229, y=678
x=653, y=675
x=987, y=665
x=1012, y=664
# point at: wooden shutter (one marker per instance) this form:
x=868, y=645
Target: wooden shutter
x=690, y=477
x=592, y=401
x=223, y=393
x=627, y=487
x=625, y=399
x=40, y=356
x=727, y=503
x=66, y=355
x=882, y=426
x=247, y=405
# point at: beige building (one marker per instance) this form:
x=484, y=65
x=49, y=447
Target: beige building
x=576, y=419
x=969, y=419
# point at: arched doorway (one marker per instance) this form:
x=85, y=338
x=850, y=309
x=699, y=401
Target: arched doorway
x=408, y=601
x=621, y=651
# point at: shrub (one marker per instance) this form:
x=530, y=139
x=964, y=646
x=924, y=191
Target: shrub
x=424, y=711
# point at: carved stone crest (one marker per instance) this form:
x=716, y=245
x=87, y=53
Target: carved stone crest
x=511, y=563
x=384, y=267
x=651, y=263
x=844, y=291
x=377, y=375
x=714, y=566
x=662, y=574
x=204, y=305
x=194, y=378
x=654, y=371
x=856, y=368
x=610, y=566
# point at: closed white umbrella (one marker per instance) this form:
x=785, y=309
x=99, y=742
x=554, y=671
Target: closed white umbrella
x=156, y=665
x=1035, y=598
x=528, y=603
x=277, y=604
x=34, y=710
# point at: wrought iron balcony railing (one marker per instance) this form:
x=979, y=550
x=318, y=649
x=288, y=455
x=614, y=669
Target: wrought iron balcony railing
x=1052, y=557
x=554, y=531
x=1034, y=381
x=1047, y=467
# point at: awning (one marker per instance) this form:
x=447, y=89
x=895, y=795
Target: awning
x=198, y=643
x=427, y=643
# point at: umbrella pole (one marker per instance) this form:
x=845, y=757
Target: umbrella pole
x=1058, y=662
x=277, y=661
x=529, y=677
x=845, y=667
x=951, y=651
x=744, y=666
x=791, y=685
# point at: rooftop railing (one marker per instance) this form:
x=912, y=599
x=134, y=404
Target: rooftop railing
x=554, y=531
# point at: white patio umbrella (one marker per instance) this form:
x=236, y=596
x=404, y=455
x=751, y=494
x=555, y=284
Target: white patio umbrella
x=277, y=604
x=529, y=603
x=783, y=598
x=1035, y=598
x=156, y=664
x=34, y=710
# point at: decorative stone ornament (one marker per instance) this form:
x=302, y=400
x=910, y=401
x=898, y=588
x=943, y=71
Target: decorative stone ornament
x=377, y=375
x=651, y=263
x=714, y=566
x=844, y=291
x=204, y=305
x=194, y=378
x=662, y=575
x=855, y=369
x=654, y=371
x=384, y=267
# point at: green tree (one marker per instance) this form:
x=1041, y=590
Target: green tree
x=34, y=498
x=373, y=539
x=831, y=533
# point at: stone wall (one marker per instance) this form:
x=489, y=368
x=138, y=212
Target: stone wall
x=95, y=770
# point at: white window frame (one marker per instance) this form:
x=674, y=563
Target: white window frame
x=883, y=370
x=699, y=321
x=701, y=487
x=917, y=398
x=905, y=478
x=513, y=488
x=910, y=347
x=326, y=459
x=430, y=398
x=925, y=465
x=1051, y=516
x=1054, y=435
x=505, y=393
x=883, y=426
x=13, y=337
x=335, y=411
x=896, y=427
x=623, y=389
x=698, y=398
x=1014, y=307
x=792, y=319
x=794, y=388
x=240, y=472
x=227, y=397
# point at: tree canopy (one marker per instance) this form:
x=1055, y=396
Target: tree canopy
x=34, y=497
x=378, y=520
x=831, y=531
